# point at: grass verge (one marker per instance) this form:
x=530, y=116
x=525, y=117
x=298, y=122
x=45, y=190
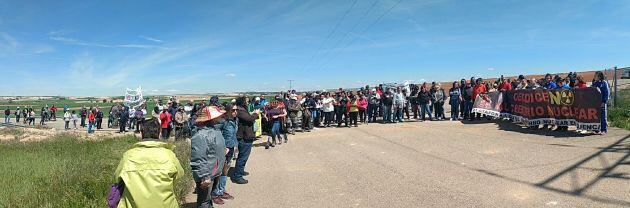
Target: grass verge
x=620, y=116
x=68, y=172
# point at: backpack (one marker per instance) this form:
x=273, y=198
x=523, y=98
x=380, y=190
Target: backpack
x=207, y=153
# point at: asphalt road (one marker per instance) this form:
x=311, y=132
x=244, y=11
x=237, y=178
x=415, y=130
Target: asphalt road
x=438, y=164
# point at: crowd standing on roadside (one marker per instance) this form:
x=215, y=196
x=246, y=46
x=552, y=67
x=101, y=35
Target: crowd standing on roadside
x=221, y=131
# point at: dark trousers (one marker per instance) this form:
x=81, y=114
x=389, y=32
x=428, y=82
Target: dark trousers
x=342, y=117
x=414, y=109
x=122, y=126
x=244, y=149
x=354, y=117
x=164, y=133
x=372, y=112
x=204, y=196
x=328, y=118
x=439, y=110
x=82, y=121
x=99, y=122
x=362, y=115
x=462, y=109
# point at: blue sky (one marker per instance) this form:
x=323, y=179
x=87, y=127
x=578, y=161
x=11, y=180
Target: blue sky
x=94, y=48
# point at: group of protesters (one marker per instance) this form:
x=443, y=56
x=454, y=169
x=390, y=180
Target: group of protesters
x=220, y=132
x=28, y=115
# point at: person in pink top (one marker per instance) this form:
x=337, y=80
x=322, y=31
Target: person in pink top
x=363, y=104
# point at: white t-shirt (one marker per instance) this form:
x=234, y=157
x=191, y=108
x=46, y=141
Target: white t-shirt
x=328, y=104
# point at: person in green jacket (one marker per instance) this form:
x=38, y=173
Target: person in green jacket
x=149, y=170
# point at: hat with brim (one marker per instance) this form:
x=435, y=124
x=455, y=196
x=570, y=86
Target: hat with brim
x=208, y=113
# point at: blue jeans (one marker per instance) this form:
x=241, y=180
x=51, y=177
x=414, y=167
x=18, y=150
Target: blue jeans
x=90, y=127
x=399, y=114
x=7, y=119
x=315, y=117
x=604, y=119
x=455, y=111
x=387, y=113
x=220, y=188
x=468, y=110
x=425, y=109
x=275, y=131
x=244, y=149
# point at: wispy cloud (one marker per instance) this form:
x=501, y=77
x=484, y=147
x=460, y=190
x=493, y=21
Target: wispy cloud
x=490, y=69
x=230, y=75
x=10, y=45
x=123, y=71
x=71, y=41
x=9, y=40
x=151, y=39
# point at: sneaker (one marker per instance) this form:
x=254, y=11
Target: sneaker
x=226, y=196
x=240, y=181
x=217, y=200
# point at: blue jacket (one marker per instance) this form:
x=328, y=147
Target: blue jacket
x=229, y=133
x=603, y=88
x=565, y=86
x=551, y=85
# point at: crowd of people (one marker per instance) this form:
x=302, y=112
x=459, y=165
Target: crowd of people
x=220, y=132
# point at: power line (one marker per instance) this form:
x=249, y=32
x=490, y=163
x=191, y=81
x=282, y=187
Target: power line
x=351, y=30
x=332, y=31
x=366, y=29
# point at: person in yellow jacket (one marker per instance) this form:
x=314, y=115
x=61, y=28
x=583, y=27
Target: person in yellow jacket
x=149, y=170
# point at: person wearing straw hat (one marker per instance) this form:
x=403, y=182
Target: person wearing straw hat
x=207, y=155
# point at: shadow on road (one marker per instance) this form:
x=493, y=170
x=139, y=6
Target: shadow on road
x=576, y=187
x=509, y=126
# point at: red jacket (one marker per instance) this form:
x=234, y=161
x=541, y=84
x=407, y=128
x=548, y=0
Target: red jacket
x=165, y=118
x=91, y=117
x=478, y=89
x=505, y=86
x=581, y=85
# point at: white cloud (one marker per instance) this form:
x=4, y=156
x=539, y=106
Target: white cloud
x=230, y=75
x=490, y=69
x=151, y=39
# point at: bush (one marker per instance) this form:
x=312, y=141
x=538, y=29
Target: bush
x=68, y=172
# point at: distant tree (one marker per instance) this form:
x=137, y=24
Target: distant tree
x=104, y=100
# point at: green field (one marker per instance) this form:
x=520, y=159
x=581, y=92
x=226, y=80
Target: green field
x=68, y=172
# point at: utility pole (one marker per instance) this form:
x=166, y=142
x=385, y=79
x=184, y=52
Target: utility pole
x=615, y=83
x=291, y=84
